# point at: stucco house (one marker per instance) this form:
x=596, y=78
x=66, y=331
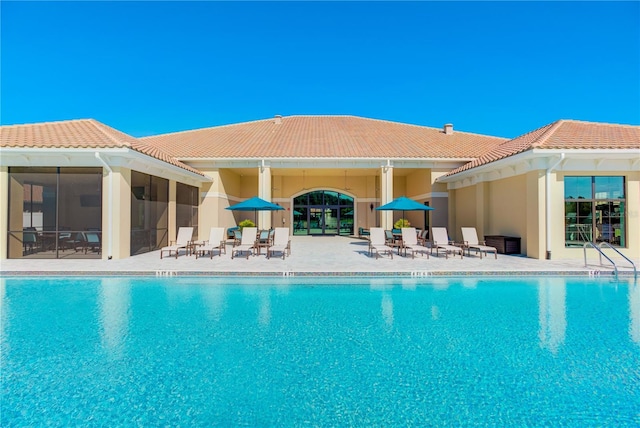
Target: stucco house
x=554, y=188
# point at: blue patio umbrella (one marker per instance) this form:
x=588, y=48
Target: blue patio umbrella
x=255, y=204
x=404, y=204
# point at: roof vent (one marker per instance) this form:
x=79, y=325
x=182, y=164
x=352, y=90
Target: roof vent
x=277, y=119
x=448, y=128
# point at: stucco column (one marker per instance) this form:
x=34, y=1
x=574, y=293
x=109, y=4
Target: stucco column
x=482, y=201
x=264, y=192
x=121, y=206
x=4, y=211
x=172, y=207
x=386, y=195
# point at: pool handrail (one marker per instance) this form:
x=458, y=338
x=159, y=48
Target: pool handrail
x=598, y=248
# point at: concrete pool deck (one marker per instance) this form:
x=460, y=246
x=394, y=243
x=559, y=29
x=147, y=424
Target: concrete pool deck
x=322, y=255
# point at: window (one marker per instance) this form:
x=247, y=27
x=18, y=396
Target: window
x=594, y=210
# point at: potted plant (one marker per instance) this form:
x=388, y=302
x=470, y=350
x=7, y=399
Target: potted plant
x=246, y=223
x=403, y=222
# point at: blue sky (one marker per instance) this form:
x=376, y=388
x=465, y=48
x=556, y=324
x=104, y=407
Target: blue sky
x=495, y=68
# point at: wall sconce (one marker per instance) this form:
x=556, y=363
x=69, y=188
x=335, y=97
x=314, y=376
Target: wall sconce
x=371, y=207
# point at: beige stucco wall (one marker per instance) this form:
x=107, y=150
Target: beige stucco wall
x=231, y=186
x=463, y=204
x=516, y=206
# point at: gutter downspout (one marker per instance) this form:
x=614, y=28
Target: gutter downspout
x=110, y=213
x=547, y=197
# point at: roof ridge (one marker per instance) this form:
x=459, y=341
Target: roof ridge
x=587, y=122
x=202, y=129
x=100, y=127
x=51, y=122
x=548, y=133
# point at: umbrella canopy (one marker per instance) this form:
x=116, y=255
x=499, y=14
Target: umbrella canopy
x=255, y=204
x=404, y=204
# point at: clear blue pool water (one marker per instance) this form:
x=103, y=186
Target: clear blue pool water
x=193, y=351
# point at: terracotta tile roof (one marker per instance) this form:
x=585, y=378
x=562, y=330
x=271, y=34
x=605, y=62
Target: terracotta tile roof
x=323, y=137
x=563, y=135
x=82, y=133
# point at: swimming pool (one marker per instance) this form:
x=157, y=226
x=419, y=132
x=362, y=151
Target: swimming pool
x=193, y=351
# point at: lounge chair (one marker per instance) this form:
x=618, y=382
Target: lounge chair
x=281, y=243
x=410, y=242
x=470, y=238
x=441, y=242
x=247, y=243
x=182, y=242
x=378, y=242
x=216, y=242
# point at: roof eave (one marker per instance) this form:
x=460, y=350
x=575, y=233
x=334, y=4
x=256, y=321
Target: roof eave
x=85, y=157
x=537, y=159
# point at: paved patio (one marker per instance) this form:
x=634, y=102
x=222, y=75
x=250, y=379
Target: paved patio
x=310, y=255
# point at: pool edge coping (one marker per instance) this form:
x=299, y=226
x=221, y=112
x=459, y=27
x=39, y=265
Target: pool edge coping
x=409, y=274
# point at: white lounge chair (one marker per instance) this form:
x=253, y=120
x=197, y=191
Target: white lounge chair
x=216, y=242
x=281, y=243
x=441, y=242
x=410, y=242
x=248, y=242
x=378, y=242
x=182, y=242
x=470, y=238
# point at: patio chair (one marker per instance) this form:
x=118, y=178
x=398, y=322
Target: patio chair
x=29, y=240
x=230, y=234
x=441, y=242
x=391, y=241
x=410, y=242
x=265, y=239
x=423, y=238
x=281, y=243
x=216, y=242
x=470, y=241
x=237, y=237
x=247, y=243
x=182, y=242
x=92, y=242
x=378, y=242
